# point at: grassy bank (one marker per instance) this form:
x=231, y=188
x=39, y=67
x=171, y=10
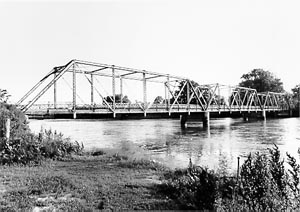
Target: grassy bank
x=121, y=180
x=84, y=183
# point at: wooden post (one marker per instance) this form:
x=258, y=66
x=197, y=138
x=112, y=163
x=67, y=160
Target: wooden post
x=7, y=128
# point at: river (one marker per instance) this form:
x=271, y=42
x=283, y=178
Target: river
x=216, y=147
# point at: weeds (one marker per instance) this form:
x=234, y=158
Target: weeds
x=31, y=149
x=23, y=147
x=191, y=188
x=264, y=185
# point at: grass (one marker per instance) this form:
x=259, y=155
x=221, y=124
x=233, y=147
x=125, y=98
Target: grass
x=83, y=183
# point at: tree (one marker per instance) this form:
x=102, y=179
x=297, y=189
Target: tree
x=295, y=91
x=3, y=96
x=118, y=98
x=262, y=81
x=158, y=100
x=296, y=95
x=182, y=99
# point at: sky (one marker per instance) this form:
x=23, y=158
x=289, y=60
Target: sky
x=212, y=41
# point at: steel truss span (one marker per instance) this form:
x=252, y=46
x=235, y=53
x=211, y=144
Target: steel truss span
x=186, y=98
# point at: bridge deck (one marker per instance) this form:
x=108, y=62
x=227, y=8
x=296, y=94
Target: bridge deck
x=124, y=109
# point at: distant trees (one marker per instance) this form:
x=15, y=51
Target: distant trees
x=296, y=95
x=182, y=99
x=158, y=100
x=295, y=91
x=118, y=98
x=262, y=81
x=4, y=96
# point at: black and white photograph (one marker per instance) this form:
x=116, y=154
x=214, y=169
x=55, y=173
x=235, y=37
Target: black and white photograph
x=122, y=105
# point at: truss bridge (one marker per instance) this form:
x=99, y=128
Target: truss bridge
x=82, y=89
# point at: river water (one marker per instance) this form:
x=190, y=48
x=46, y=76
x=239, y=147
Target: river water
x=216, y=147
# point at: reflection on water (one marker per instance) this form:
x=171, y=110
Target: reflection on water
x=218, y=145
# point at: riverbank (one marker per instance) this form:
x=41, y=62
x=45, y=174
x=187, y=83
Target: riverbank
x=114, y=180
x=84, y=183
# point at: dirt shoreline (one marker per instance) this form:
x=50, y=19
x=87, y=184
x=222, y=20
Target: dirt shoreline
x=85, y=183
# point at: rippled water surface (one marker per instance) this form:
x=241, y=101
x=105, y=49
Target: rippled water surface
x=216, y=146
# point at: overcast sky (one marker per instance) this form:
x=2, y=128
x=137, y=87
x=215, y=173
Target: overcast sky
x=207, y=41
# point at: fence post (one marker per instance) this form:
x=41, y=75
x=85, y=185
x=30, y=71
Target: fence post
x=7, y=128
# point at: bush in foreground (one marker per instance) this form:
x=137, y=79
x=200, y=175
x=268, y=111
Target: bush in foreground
x=31, y=149
x=265, y=184
x=25, y=147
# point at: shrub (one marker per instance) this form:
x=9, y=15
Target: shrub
x=192, y=188
x=19, y=125
x=20, y=151
x=31, y=149
x=53, y=145
x=267, y=185
x=24, y=147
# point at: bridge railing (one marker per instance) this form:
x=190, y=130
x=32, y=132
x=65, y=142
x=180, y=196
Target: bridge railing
x=152, y=107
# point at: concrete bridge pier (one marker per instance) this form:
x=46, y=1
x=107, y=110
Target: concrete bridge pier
x=246, y=116
x=183, y=120
x=206, y=118
x=74, y=115
x=264, y=115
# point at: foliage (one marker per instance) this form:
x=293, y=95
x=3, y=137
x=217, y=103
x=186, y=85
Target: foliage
x=182, y=99
x=118, y=98
x=31, y=149
x=265, y=185
x=295, y=91
x=293, y=183
x=18, y=121
x=257, y=182
x=158, y=100
x=24, y=147
x=4, y=96
x=295, y=96
x=192, y=188
x=53, y=145
x=19, y=151
x=262, y=81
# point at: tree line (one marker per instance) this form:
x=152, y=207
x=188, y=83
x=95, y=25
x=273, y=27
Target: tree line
x=259, y=79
